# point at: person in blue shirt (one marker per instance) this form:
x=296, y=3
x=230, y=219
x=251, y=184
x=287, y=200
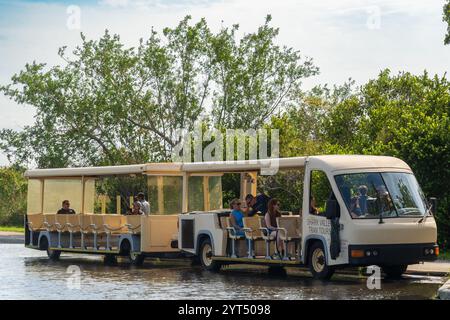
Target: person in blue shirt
x=256, y=204
x=236, y=217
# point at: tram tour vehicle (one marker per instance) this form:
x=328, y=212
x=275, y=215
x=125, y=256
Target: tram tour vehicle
x=341, y=210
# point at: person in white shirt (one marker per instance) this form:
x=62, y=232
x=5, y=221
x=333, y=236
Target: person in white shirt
x=145, y=206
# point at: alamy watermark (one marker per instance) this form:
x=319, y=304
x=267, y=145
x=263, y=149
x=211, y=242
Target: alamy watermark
x=374, y=279
x=73, y=21
x=232, y=145
x=373, y=21
x=73, y=281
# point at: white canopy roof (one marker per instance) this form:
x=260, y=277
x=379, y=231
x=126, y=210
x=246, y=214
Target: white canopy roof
x=330, y=162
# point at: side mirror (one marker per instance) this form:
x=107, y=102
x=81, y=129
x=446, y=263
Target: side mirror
x=433, y=203
x=331, y=209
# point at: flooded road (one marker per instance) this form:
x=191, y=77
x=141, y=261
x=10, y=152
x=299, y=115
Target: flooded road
x=28, y=274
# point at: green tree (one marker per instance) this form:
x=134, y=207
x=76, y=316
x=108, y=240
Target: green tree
x=402, y=115
x=13, y=187
x=108, y=104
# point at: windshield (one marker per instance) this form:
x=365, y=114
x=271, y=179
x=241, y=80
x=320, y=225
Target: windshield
x=387, y=194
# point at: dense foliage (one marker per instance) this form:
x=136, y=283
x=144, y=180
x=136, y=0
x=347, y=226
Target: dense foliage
x=404, y=115
x=13, y=196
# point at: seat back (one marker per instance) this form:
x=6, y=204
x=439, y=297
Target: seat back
x=74, y=220
x=85, y=221
x=50, y=218
x=97, y=220
x=292, y=224
x=254, y=223
x=135, y=222
x=62, y=219
x=224, y=222
x=36, y=221
x=113, y=221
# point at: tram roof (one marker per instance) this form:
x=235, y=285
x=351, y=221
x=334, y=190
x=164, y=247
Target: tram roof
x=331, y=162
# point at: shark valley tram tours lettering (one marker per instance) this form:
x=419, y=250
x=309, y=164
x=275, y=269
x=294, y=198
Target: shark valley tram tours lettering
x=319, y=226
x=226, y=309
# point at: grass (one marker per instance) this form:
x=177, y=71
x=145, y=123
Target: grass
x=11, y=229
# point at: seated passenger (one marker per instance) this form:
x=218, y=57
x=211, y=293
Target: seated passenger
x=358, y=204
x=236, y=217
x=136, y=210
x=355, y=210
x=273, y=212
x=362, y=199
x=256, y=204
x=312, y=205
x=66, y=208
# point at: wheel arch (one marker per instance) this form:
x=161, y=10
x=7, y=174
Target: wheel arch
x=125, y=244
x=132, y=240
x=43, y=236
x=202, y=235
x=309, y=241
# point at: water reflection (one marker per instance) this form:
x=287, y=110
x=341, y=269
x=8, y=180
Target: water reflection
x=28, y=274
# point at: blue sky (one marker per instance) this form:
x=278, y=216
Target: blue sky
x=346, y=38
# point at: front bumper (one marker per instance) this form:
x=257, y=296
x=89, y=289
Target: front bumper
x=391, y=254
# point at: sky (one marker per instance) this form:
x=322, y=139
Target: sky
x=346, y=38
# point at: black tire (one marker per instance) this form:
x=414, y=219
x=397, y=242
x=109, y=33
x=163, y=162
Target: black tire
x=205, y=255
x=277, y=271
x=317, y=262
x=394, y=272
x=52, y=254
x=195, y=261
x=136, y=258
x=110, y=259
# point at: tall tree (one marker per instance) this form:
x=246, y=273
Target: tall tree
x=108, y=104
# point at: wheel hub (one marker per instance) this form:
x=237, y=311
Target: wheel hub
x=207, y=254
x=318, y=260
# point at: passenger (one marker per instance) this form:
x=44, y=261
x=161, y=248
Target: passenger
x=273, y=212
x=358, y=206
x=137, y=209
x=256, y=204
x=145, y=206
x=355, y=210
x=384, y=200
x=236, y=217
x=66, y=208
x=312, y=205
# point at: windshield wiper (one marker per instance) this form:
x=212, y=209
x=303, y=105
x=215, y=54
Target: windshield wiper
x=426, y=215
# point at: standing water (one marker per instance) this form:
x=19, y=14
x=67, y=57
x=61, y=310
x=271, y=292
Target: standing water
x=29, y=274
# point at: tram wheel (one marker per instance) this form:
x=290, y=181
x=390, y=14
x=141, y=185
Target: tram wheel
x=206, y=254
x=394, y=272
x=277, y=271
x=52, y=254
x=136, y=259
x=318, y=263
x=110, y=259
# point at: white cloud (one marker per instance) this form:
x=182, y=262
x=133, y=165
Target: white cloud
x=334, y=33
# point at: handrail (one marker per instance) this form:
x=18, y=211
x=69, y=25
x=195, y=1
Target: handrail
x=283, y=233
x=131, y=228
x=71, y=226
x=107, y=227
